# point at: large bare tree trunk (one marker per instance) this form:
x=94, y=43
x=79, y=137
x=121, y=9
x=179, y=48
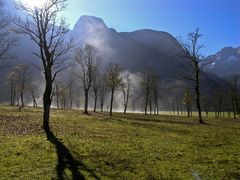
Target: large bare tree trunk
x=47, y=100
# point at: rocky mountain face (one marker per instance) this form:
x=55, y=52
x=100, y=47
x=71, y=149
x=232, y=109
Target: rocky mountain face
x=225, y=62
x=134, y=51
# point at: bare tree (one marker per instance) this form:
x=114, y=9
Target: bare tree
x=187, y=101
x=192, y=53
x=48, y=32
x=206, y=103
x=150, y=89
x=154, y=87
x=71, y=89
x=234, y=91
x=102, y=90
x=56, y=92
x=23, y=80
x=145, y=84
x=125, y=87
x=34, y=93
x=85, y=63
x=63, y=97
x=12, y=80
x=96, y=85
x=113, y=80
x=218, y=97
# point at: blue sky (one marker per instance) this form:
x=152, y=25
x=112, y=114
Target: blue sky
x=218, y=20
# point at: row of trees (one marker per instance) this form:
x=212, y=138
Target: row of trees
x=49, y=33
x=93, y=77
x=19, y=83
x=87, y=73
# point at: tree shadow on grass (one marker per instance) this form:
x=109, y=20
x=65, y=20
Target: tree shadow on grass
x=66, y=160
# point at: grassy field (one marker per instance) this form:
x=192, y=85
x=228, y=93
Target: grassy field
x=132, y=146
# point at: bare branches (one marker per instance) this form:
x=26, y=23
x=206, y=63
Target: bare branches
x=191, y=50
x=85, y=64
x=150, y=90
x=7, y=40
x=113, y=80
x=49, y=33
x=125, y=88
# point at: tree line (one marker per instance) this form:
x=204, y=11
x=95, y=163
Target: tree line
x=50, y=34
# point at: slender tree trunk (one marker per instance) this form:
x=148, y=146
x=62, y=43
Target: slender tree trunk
x=173, y=108
x=64, y=102
x=237, y=104
x=126, y=104
x=101, y=106
x=181, y=109
x=150, y=104
x=146, y=102
x=111, y=103
x=234, y=109
x=95, y=101
x=206, y=109
x=219, y=107
x=14, y=97
x=198, y=98
x=191, y=111
x=71, y=103
x=18, y=100
x=188, y=110
x=57, y=94
x=21, y=97
x=34, y=101
x=101, y=100
x=125, y=109
x=86, y=102
x=71, y=94
x=11, y=96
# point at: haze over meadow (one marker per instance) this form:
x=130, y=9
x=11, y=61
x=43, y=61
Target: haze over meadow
x=119, y=89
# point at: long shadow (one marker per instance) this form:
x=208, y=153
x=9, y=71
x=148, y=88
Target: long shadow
x=66, y=160
x=153, y=118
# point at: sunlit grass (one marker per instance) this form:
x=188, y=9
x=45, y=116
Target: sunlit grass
x=132, y=146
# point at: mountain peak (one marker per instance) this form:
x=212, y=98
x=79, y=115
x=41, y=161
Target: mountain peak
x=90, y=21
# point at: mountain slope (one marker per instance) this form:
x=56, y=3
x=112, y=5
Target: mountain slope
x=135, y=51
x=225, y=62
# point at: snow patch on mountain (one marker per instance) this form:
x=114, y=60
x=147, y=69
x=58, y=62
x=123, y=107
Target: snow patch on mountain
x=225, y=62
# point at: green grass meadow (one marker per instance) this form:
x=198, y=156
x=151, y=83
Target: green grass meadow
x=132, y=146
